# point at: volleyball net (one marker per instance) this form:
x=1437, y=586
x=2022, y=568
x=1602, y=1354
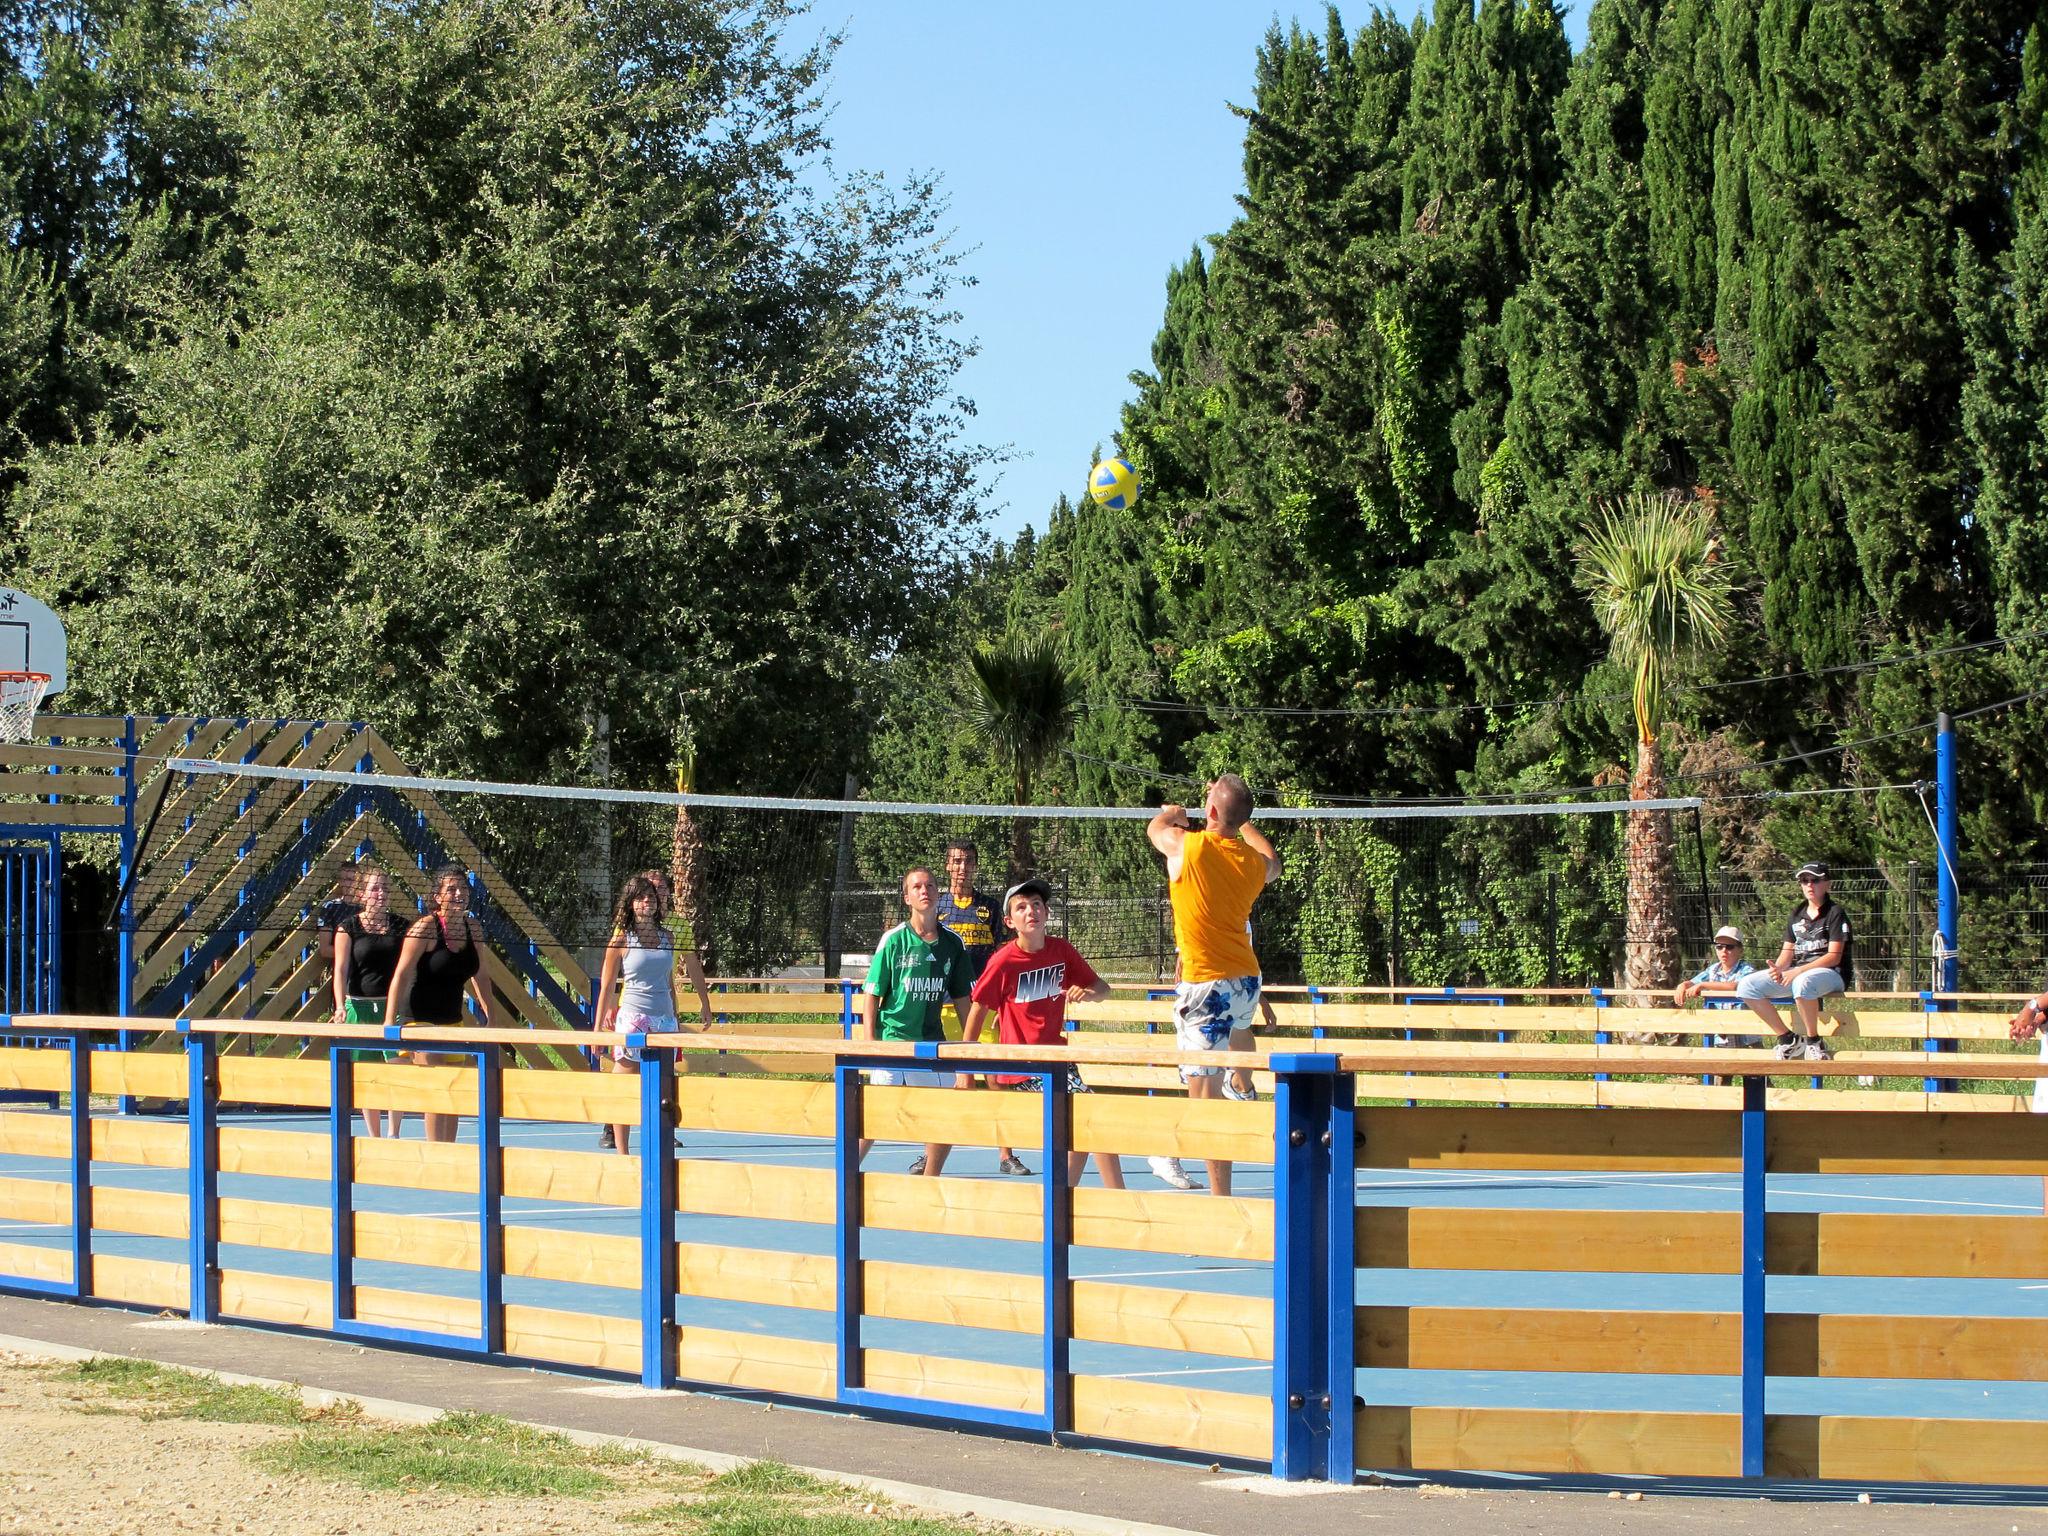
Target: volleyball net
x=1425, y=895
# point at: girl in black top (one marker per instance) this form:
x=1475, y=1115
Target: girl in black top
x=443, y=954
x=366, y=950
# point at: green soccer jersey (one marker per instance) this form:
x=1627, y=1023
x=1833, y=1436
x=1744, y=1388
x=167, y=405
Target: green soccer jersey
x=913, y=980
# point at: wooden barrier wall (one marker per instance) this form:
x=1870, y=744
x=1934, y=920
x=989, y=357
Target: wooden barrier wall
x=257, y=1227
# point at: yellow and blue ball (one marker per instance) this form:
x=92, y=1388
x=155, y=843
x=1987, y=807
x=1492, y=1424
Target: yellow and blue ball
x=1114, y=484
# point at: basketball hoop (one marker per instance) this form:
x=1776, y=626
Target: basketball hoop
x=21, y=694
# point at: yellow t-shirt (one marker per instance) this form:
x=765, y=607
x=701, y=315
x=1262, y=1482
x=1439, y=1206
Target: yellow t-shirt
x=1219, y=879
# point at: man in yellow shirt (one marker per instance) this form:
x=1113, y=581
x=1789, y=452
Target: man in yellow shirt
x=1213, y=877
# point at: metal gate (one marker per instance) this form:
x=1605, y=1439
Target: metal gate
x=29, y=918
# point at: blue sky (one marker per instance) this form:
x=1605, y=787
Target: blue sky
x=1084, y=149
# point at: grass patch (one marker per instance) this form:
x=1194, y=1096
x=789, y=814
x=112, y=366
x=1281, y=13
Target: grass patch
x=766, y=1498
x=469, y=1453
x=159, y=1392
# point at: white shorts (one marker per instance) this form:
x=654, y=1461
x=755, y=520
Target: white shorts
x=908, y=1077
x=640, y=1024
x=1205, y=1013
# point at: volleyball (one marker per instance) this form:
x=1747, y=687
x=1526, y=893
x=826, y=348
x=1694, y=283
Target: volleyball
x=1113, y=484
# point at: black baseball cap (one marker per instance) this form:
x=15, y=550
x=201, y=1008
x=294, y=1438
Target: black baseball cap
x=1813, y=867
x=1032, y=887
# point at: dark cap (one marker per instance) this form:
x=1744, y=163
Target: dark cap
x=1032, y=887
x=1813, y=867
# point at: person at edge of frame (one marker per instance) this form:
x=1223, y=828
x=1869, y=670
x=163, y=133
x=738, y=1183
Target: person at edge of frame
x=2026, y=1024
x=367, y=944
x=1214, y=877
x=337, y=909
x=1027, y=985
x=685, y=942
x=1814, y=962
x=636, y=992
x=917, y=968
x=442, y=956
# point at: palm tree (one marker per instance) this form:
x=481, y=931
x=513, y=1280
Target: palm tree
x=1021, y=699
x=1651, y=566
x=686, y=855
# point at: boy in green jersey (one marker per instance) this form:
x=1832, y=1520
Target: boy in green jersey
x=918, y=968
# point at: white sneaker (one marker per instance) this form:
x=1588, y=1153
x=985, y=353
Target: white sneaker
x=1169, y=1171
x=1813, y=1048
x=1232, y=1091
x=1790, y=1048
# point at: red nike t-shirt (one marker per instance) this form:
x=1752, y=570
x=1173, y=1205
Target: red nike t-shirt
x=1029, y=992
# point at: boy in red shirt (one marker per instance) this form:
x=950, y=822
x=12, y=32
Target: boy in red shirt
x=1027, y=985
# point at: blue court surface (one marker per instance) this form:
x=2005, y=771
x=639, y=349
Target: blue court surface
x=2017, y=1198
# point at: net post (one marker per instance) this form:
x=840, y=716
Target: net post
x=81, y=1164
x=1313, y=1278
x=341, y=1175
x=657, y=1217
x=1754, y=1317
x=202, y=1173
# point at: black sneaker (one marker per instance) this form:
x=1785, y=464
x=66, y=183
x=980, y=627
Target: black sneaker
x=604, y=1140
x=916, y=1167
x=1014, y=1165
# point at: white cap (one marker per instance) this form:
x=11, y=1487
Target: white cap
x=1729, y=932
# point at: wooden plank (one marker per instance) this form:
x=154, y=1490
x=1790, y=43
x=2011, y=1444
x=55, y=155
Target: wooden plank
x=28, y=757
x=140, y=1282
x=254, y=1080
x=1186, y=1418
x=761, y=1362
x=289, y=1299
x=1169, y=1127
x=951, y=1207
x=1573, y=1242
x=1907, y=1348
x=71, y=786
x=942, y=1379
x=64, y=814
x=963, y=1298
x=575, y=1258
x=779, y=1027
x=417, y=1309
x=1533, y=1339
x=757, y=1276
x=957, y=1117
x=23, y=1134
x=143, y=1142
x=46, y=1202
x=1166, y=1221
x=274, y=1224
x=1161, y=1317
x=1882, y=1450
x=29, y=1261
x=585, y=1098
x=1935, y=1247
x=573, y=1178
x=1605, y=1444
x=144, y=1074
x=1896, y=1143
x=292, y=1154
x=757, y=1189
x=764, y=1107
x=82, y=727
x=27, y=1069
x=1690, y=1141
x=573, y=1338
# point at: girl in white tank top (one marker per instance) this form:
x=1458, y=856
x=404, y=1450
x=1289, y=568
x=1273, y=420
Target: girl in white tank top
x=637, y=991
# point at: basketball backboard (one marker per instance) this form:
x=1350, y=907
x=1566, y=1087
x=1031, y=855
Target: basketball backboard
x=31, y=638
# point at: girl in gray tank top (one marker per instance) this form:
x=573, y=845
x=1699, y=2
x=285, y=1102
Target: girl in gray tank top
x=637, y=990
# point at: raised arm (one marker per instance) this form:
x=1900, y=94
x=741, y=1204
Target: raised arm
x=1258, y=842
x=1168, y=831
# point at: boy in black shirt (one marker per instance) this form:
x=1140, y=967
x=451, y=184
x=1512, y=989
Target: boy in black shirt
x=1813, y=964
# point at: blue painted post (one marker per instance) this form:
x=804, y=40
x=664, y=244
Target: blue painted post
x=1056, y=1314
x=490, y=1183
x=124, y=939
x=657, y=1216
x=1754, y=1316
x=341, y=1176
x=851, y=1293
x=1313, y=1278
x=1600, y=1036
x=202, y=1162
x=81, y=1164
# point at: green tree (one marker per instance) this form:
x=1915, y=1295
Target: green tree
x=1020, y=704
x=1651, y=568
